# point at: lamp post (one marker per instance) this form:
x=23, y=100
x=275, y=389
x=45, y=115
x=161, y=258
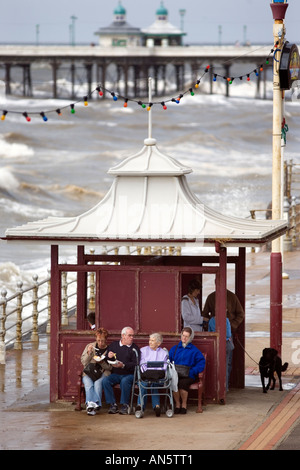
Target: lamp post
x=278, y=8
x=72, y=27
x=37, y=34
x=182, y=13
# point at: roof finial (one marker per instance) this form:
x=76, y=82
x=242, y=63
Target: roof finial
x=150, y=110
x=150, y=140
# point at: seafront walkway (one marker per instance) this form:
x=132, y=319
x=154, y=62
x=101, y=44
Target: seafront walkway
x=250, y=420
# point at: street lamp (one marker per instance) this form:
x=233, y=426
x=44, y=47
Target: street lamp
x=72, y=28
x=182, y=13
x=220, y=34
x=37, y=34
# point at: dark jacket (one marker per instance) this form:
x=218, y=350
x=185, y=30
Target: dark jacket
x=126, y=355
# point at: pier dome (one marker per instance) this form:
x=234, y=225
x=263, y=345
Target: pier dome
x=119, y=10
x=162, y=11
x=119, y=33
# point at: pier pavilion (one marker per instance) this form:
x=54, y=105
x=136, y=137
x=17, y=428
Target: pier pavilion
x=149, y=204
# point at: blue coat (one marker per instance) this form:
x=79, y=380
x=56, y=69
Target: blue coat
x=188, y=356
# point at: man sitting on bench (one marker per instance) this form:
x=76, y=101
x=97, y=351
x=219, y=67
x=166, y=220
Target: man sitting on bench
x=122, y=357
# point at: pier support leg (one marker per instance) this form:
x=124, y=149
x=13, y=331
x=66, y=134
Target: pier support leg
x=7, y=79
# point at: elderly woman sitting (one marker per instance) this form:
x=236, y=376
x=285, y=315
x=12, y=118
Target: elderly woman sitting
x=151, y=353
x=187, y=354
x=95, y=353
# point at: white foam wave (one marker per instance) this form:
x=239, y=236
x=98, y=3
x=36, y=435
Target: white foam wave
x=27, y=210
x=8, y=181
x=9, y=275
x=13, y=150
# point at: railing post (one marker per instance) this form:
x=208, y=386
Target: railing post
x=2, y=327
x=48, y=328
x=64, y=315
x=293, y=222
x=18, y=341
x=287, y=242
x=92, y=287
x=34, y=334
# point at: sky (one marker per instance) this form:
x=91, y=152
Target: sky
x=204, y=21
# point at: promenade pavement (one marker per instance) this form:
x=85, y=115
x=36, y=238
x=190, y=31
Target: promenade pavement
x=250, y=419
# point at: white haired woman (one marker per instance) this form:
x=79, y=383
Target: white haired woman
x=151, y=353
x=186, y=354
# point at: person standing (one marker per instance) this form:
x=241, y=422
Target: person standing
x=234, y=310
x=235, y=314
x=229, y=346
x=190, y=309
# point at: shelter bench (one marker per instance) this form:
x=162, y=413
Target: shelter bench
x=198, y=385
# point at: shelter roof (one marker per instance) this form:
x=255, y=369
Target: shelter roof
x=149, y=202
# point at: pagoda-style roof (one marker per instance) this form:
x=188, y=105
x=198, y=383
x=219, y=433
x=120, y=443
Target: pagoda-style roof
x=149, y=202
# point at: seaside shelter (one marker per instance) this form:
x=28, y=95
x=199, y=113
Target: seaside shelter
x=161, y=236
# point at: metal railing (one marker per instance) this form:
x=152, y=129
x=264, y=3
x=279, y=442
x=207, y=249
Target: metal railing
x=291, y=205
x=23, y=314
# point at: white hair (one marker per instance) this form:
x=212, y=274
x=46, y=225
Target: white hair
x=124, y=330
x=158, y=337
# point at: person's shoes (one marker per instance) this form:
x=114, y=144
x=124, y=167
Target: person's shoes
x=177, y=411
x=113, y=409
x=183, y=411
x=157, y=410
x=98, y=408
x=91, y=408
x=124, y=410
x=138, y=408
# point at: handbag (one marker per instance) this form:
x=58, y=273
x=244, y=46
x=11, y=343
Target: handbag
x=153, y=375
x=182, y=371
x=173, y=376
x=93, y=370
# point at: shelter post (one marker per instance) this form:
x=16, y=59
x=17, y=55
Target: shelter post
x=81, y=290
x=221, y=302
x=276, y=302
x=237, y=378
x=55, y=322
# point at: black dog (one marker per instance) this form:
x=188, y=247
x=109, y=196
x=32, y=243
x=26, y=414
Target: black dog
x=269, y=363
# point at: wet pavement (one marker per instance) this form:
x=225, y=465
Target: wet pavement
x=250, y=420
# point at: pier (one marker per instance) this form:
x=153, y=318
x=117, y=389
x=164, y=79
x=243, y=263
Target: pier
x=128, y=68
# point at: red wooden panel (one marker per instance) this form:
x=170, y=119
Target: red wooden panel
x=117, y=300
x=158, y=302
x=71, y=349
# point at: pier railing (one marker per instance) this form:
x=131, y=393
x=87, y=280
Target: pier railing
x=291, y=205
x=27, y=312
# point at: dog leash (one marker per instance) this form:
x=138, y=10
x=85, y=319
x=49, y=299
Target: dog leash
x=237, y=339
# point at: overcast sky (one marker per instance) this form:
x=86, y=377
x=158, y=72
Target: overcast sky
x=239, y=19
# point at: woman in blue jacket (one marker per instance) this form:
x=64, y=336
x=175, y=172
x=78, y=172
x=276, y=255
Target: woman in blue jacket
x=185, y=353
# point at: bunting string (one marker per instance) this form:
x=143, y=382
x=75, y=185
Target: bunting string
x=102, y=91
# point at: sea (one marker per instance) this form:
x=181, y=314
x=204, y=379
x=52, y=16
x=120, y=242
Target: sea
x=59, y=167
